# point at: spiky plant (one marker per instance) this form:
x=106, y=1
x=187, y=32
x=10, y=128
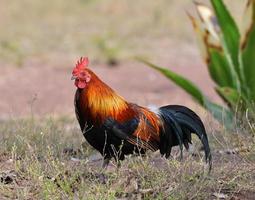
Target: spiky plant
x=230, y=56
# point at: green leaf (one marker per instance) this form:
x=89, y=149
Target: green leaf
x=220, y=113
x=236, y=101
x=223, y=115
x=230, y=95
x=231, y=36
x=185, y=84
x=219, y=68
x=211, y=49
x=248, y=50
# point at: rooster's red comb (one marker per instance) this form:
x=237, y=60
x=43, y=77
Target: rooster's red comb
x=83, y=62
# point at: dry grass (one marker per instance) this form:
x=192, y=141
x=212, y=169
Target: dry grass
x=45, y=159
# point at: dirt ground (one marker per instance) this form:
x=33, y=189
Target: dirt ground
x=45, y=89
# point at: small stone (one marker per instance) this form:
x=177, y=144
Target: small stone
x=220, y=195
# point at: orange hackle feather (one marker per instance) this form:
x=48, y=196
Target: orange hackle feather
x=103, y=102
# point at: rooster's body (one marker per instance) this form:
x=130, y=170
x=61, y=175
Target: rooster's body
x=117, y=128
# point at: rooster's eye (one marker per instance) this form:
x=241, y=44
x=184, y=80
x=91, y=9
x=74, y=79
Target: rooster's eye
x=82, y=74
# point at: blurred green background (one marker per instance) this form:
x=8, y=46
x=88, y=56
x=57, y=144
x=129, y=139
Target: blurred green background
x=103, y=29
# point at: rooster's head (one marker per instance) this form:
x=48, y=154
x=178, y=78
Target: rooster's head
x=80, y=73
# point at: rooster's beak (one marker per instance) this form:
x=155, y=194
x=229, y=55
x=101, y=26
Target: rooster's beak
x=73, y=77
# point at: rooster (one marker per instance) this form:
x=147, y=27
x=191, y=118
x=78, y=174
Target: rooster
x=116, y=128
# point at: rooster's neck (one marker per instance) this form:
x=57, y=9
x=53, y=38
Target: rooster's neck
x=101, y=101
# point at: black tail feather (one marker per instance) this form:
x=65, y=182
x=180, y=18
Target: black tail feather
x=187, y=138
x=170, y=125
x=189, y=122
